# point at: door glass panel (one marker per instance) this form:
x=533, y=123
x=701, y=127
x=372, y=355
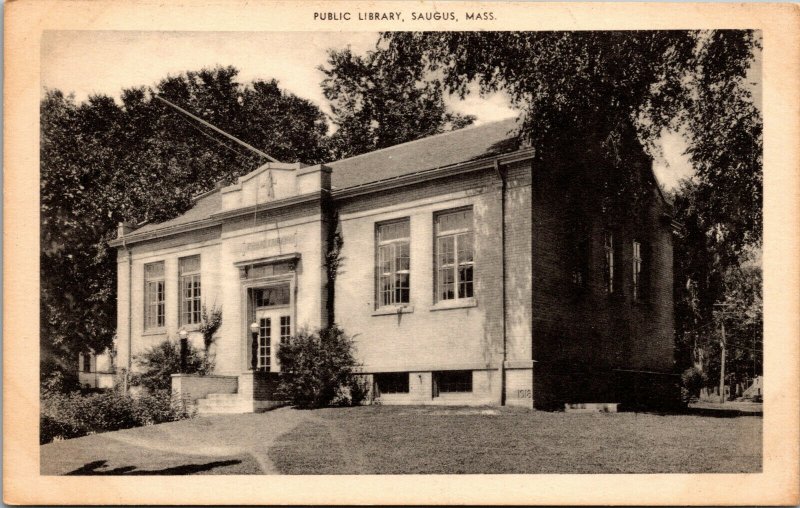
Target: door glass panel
x=264, y=336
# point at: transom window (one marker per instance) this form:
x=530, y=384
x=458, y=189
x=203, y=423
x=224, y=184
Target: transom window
x=455, y=260
x=394, y=262
x=255, y=272
x=391, y=382
x=154, y=295
x=272, y=296
x=637, y=269
x=189, y=272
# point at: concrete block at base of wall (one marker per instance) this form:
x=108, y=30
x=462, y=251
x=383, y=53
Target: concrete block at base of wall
x=191, y=387
x=519, y=384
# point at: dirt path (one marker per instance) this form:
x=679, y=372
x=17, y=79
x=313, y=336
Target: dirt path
x=197, y=445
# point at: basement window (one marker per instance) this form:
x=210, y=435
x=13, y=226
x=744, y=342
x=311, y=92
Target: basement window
x=391, y=382
x=452, y=381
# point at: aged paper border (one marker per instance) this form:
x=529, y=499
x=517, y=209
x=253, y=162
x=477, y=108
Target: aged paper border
x=777, y=484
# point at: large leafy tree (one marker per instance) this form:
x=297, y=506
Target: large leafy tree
x=574, y=85
x=383, y=98
x=103, y=162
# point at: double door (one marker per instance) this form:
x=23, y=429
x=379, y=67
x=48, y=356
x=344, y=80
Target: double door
x=274, y=327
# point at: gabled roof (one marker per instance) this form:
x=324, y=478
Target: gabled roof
x=432, y=152
x=206, y=205
x=441, y=150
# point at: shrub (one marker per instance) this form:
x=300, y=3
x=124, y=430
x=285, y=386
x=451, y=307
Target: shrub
x=159, y=407
x=692, y=381
x=72, y=415
x=158, y=363
x=317, y=368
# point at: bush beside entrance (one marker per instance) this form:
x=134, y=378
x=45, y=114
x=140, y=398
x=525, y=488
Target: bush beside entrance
x=317, y=369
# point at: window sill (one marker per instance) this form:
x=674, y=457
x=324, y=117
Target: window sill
x=453, y=395
x=462, y=303
x=154, y=331
x=393, y=310
x=190, y=328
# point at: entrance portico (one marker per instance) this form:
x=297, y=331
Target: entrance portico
x=268, y=295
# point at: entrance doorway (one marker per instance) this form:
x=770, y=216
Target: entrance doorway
x=274, y=318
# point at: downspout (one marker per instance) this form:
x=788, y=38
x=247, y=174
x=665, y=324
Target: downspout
x=503, y=188
x=130, y=309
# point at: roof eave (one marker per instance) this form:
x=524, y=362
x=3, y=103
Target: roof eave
x=433, y=174
x=163, y=232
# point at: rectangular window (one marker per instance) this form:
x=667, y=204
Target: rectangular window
x=452, y=381
x=579, y=239
x=608, y=247
x=391, y=382
x=286, y=328
x=264, y=335
x=394, y=263
x=455, y=259
x=637, y=270
x=189, y=273
x=87, y=363
x=154, y=295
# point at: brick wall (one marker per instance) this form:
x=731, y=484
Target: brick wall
x=190, y=387
x=583, y=336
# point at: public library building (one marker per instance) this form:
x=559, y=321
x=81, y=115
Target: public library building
x=462, y=277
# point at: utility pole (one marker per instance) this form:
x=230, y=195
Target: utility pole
x=722, y=367
x=722, y=344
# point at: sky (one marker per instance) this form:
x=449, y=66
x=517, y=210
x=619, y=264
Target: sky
x=105, y=62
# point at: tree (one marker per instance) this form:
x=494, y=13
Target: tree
x=159, y=362
x=383, y=99
x=104, y=162
x=577, y=85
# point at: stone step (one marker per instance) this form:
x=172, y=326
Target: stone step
x=222, y=396
x=223, y=410
x=591, y=407
x=222, y=403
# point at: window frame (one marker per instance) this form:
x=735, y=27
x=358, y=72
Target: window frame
x=195, y=300
x=637, y=262
x=160, y=321
x=457, y=236
x=609, y=252
x=393, y=272
x=436, y=379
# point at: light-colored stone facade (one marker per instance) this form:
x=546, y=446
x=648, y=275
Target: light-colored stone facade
x=272, y=229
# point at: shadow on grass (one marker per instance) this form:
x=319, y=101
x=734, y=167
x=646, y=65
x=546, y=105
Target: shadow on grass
x=695, y=411
x=92, y=469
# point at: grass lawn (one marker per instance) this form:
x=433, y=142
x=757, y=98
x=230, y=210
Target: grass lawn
x=411, y=440
x=224, y=444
